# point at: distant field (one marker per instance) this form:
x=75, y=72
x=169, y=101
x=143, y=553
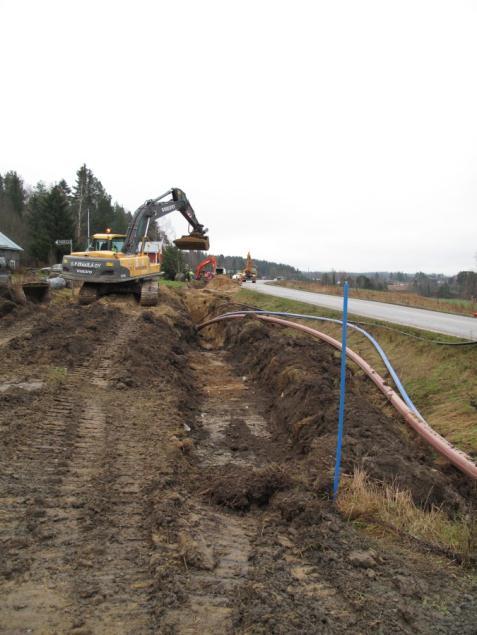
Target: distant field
x=445, y=305
x=441, y=380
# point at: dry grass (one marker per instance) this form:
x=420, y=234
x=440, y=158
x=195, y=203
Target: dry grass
x=446, y=305
x=361, y=499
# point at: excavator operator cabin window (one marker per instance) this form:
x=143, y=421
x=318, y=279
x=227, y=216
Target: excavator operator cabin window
x=118, y=244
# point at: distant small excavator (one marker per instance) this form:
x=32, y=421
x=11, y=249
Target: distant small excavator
x=250, y=271
x=119, y=264
x=215, y=271
x=199, y=270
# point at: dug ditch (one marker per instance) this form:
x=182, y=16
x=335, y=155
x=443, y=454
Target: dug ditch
x=164, y=482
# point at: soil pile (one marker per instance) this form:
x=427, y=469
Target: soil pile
x=223, y=283
x=156, y=349
x=65, y=336
x=6, y=306
x=300, y=377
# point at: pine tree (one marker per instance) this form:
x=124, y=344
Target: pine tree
x=82, y=202
x=90, y=198
x=172, y=262
x=49, y=219
x=14, y=190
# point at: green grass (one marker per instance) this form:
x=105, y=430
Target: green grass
x=441, y=380
x=171, y=283
x=56, y=375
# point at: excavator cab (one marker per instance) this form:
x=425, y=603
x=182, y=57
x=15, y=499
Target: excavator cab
x=107, y=242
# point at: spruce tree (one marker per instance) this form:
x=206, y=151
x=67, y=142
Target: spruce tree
x=50, y=219
x=14, y=190
x=172, y=262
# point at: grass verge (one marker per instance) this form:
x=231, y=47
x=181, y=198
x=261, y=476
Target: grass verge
x=362, y=500
x=171, y=283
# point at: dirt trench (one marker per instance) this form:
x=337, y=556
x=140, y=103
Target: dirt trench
x=157, y=481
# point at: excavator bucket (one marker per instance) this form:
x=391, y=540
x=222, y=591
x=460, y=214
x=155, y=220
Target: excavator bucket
x=36, y=292
x=193, y=242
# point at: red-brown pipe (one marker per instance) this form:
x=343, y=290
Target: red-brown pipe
x=458, y=458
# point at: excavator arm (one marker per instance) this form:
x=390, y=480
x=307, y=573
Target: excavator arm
x=156, y=208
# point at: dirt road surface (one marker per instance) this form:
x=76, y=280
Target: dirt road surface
x=154, y=480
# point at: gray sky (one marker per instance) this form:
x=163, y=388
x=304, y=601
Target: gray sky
x=322, y=134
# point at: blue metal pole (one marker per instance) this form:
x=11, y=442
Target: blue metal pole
x=344, y=332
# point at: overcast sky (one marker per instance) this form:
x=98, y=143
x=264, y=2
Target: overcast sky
x=321, y=134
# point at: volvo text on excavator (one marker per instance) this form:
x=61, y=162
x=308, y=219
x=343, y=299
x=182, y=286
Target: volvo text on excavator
x=121, y=266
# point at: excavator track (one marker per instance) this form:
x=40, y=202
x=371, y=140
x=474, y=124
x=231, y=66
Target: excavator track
x=149, y=293
x=88, y=294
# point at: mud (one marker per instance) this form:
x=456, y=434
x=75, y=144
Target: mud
x=64, y=336
x=240, y=490
x=164, y=482
x=300, y=380
x=223, y=283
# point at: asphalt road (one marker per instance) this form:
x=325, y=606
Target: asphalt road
x=447, y=323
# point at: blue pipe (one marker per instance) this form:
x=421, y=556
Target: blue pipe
x=376, y=345
x=339, y=443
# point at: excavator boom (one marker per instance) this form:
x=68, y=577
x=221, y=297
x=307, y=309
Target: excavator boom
x=157, y=208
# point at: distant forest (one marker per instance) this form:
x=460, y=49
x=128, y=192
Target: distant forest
x=431, y=285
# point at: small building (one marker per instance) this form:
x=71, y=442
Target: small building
x=153, y=249
x=10, y=251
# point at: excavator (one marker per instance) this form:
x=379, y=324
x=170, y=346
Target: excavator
x=250, y=271
x=210, y=260
x=216, y=271
x=118, y=264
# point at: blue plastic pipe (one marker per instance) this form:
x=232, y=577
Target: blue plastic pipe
x=339, y=443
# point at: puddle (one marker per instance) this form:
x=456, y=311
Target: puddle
x=29, y=386
x=227, y=402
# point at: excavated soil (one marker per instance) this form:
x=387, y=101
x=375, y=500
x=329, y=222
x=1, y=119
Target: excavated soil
x=154, y=480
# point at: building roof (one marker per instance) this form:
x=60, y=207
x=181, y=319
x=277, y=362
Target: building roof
x=6, y=243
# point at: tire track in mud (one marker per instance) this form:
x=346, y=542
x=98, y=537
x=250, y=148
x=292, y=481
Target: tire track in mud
x=229, y=543
x=226, y=537
x=21, y=331
x=74, y=542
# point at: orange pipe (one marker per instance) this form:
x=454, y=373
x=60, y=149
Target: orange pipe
x=458, y=458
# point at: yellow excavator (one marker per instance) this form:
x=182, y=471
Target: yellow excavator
x=250, y=271
x=116, y=263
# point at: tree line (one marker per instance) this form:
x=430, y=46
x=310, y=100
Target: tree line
x=36, y=217
x=437, y=285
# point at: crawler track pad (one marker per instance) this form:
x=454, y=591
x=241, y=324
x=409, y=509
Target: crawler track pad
x=193, y=242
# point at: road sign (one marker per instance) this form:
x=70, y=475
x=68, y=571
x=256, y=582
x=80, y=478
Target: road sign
x=63, y=242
